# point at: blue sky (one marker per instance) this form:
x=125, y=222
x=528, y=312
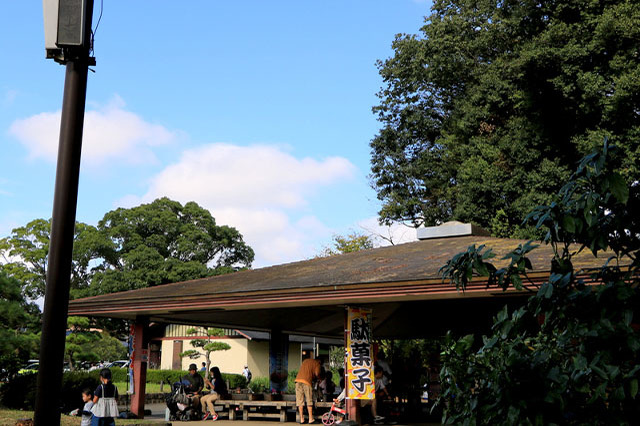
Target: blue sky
x=260, y=111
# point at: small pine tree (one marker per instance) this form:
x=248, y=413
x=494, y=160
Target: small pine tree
x=204, y=347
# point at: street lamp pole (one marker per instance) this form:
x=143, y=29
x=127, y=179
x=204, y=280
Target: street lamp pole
x=56, y=302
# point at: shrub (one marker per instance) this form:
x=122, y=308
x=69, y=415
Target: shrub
x=263, y=385
x=235, y=380
x=570, y=355
x=20, y=393
x=173, y=376
x=259, y=384
x=165, y=376
x=117, y=374
x=72, y=385
x=291, y=381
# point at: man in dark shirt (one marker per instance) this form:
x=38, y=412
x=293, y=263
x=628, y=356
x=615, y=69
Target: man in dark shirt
x=196, y=383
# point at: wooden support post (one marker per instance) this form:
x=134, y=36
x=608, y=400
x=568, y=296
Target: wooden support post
x=140, y=358
x=353, y=410
x=233, y=412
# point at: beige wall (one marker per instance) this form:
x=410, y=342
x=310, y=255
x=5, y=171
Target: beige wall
x=254, y=354
x=229, y=361
x=295, y=356
x=166, y=356
x=258, y=358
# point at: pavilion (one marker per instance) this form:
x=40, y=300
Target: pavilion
x=400, y=283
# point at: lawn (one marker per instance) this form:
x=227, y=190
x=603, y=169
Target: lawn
x=9, y=417
x=150, y=388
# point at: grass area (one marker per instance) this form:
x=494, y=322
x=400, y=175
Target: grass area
x=9, y=417
x=150, y=388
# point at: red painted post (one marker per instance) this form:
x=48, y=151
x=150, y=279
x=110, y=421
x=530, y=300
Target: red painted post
x=140, y=359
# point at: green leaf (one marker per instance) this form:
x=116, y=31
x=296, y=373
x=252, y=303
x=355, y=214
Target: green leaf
x=569, y=224
x=618, y=187
x=517, y=281
x=633, y=388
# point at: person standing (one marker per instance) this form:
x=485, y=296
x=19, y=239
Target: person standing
x=381, y=393
x=326, y=387
x=309, y=371
x=105, y=406
x=247, y=374
x=386, y=368
x=87, y=398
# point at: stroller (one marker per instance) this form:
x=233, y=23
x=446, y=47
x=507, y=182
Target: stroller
x=180, y=404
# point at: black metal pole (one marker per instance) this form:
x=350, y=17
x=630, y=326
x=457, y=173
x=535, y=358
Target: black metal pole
x=56, y=302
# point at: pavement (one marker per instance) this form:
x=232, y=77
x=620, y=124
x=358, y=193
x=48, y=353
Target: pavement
x=158, y=414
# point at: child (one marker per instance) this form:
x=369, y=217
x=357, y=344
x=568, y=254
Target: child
x=87, y=396
x=338, y=402
x=327, y=387
x=105, y=406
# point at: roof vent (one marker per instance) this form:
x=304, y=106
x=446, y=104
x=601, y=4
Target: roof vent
x=450, y=229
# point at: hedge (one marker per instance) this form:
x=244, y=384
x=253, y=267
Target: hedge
x=172, y=376
x=262, y=384
x=20, y=392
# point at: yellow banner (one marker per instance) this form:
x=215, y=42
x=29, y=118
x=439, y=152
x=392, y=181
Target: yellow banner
x=360, y=381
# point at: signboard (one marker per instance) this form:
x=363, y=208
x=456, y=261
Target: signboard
x=360, y=379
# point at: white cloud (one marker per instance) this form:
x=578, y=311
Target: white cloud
x=110, y=132
x=256, y=189
x=257, y=176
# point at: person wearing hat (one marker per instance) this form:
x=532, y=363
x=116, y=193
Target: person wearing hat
x=195, y=384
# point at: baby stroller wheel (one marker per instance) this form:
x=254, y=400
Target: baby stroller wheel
x=328, y=419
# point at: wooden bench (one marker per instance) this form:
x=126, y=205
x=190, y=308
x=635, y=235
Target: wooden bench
x=226, y=407
x=252, y=409
x=279, y=406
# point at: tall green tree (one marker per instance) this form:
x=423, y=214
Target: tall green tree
x=108, y=348
x=163, y=242
x=24, y=253
x=18, y=328
x=147, y=245
x=571, y=354
x=78, y=342
x=487, y=109
x=85, y=343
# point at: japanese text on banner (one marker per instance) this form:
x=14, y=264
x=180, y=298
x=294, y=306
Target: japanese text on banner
x=359, y=357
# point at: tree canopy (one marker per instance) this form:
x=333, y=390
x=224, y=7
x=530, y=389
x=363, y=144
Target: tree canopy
x=147, y=245
x=570, y=355
x=165, y=242
x=18, y=328
x=485, y=113
x=348, y=244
